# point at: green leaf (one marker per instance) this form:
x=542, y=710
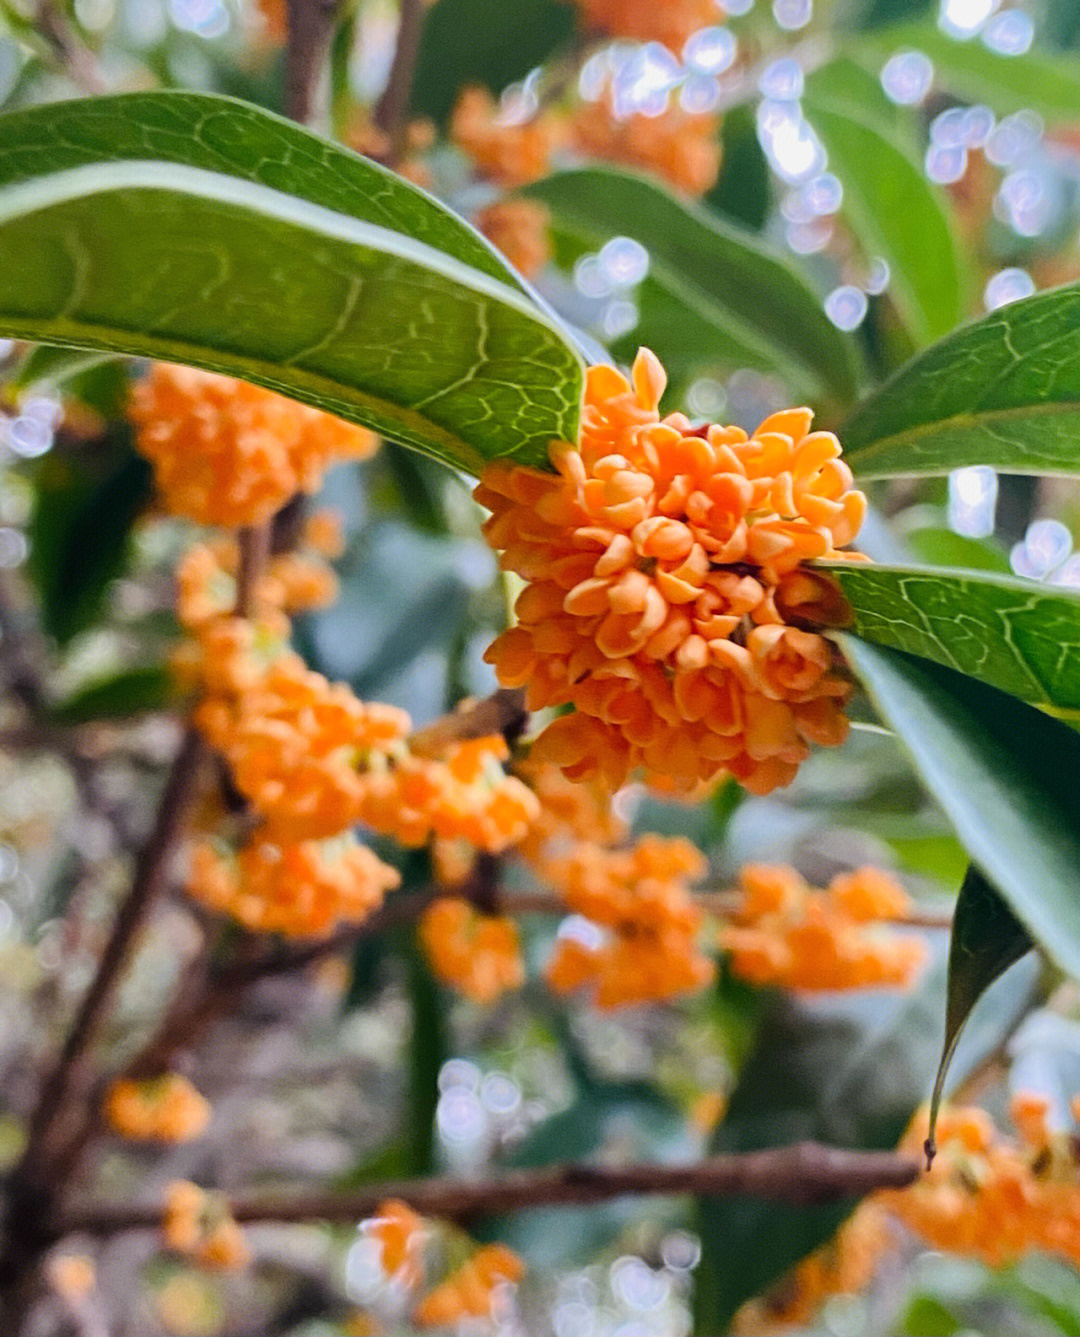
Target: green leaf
x=741, y=192
x=1003, y=391
x=713, y=293
x=208, y=232
x=987, y=938
x=47, y=365
x=1018, y=635
x=80, y=533
x=938, y=545
x=895, y=213
x=1037, y=80
x=1005, y=776
x=130, y=692
x=488, y=42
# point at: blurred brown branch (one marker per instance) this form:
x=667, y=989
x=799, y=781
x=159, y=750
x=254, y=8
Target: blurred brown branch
x=392, y=111
x=311, y=27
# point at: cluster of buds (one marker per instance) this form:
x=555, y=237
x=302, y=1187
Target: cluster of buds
x=787, y=933
x=232, y=454
x=477, y=954
x=993, y=1197
x=663, y=568
x=639, y=898
x=198, y=1225
x=156, y=1109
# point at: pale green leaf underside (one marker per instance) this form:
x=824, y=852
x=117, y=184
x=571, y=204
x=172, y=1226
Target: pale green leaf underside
x=203, y=231
x=897, y=215
x=1003, y=391
x=712, y=294
x=1005, y=776
x=1016, y=635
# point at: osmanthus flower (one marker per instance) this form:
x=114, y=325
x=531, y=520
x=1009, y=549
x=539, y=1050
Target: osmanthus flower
x=519, y=228
x=506, y=151
x=156, y=1109
x=228, y=453
x=477, y=954
x=400, y=1234
x=478, y=1289
x=682, y=147
x=303, y=890
x=646, y=949
x=662, y=563
x=990, y=1196
x=198, y=1224
x=672, y=22
x=789, y=934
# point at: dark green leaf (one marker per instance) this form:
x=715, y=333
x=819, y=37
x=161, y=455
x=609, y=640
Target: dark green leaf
x=987, y=938
x=713, y=293
x=47, y=365
x=1018, y=635
x=1037, y=80
x=1004, y=774
x=80, y=533
x=487, y=42
x=896, y=214
x=205, y=231
x=130, y=692
x=1003, y=391
x=741, y=192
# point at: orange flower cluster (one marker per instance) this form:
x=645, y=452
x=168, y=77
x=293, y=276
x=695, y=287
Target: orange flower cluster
x=519, y=228
x=844, y=1266
x=790, y=934
x=478, y=954
x=473, y=1291
x=156, y=1109
x=72, y=1276
x=569, y=811
x=509, y=152
x=231, y=454
x=304, y=890
x=682, y=147
x=671, y=22
x=400, y=1235
x=641, y=896
x=198, y=1224
x=275, y=20
x=661, y=562
x=992, y=1197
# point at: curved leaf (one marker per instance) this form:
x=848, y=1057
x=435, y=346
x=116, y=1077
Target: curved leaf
x=1017, y=635
x=1004, y=391
x=1005, y=776
x=217, y=269
x=987, y=938
x=896, y=214
x=1038, y=80
x=713, y=293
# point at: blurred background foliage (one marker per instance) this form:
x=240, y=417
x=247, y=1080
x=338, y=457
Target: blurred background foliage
x=887, y=169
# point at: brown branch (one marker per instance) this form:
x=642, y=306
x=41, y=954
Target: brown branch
x=392, y=110
x=78, y=62
x=311, y=28
x=503, y=712
x=254, y=554
x=803, y=1173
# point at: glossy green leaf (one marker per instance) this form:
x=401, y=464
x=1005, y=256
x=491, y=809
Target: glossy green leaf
x=205, y=231
x=486, y=42
x=1018, y=635
x=1005, y=776
x=937, y=545
x=987, y=938
x=1038, y=80
x=129, y=692
x=896, y=214
x=713, y=293
x=80, y=532
x=1003, y=391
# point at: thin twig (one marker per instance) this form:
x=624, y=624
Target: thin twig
x=311, y=28
x=503, y=712
x=392, y=110
x=803, y=1173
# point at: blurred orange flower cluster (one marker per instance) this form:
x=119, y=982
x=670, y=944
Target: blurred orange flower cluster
x=476, y=953
x=661, y=563
x=198, y=1224
x=682, y=147
x=992, y=1197
x=156, y=1109
x=228, y=453
x=671, y=22
x=518, y=228
x=506, y=150
x=790, y=934
x=640, y=896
